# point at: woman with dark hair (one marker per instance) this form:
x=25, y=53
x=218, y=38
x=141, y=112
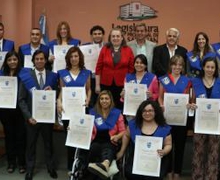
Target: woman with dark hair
x=75, y=75
x=64, y=37
x=175, y=82
x=149, y=121
x=115, y=60
x=206, y=146
x=142, y=76
x=12, y=120
x=201, y=50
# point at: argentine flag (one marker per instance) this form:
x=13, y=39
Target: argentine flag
x=42, y=24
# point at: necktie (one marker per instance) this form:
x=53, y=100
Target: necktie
x=41, y=81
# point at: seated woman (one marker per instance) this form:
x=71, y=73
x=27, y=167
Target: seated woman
x=108, y=130
x=149, y=121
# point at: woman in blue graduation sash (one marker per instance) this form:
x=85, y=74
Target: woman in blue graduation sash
x=175, y=82
x=13, y=121
x=142, y=76
x=64, y=37
x=75, y=75
x=149, y=121
x=201, y=50
x=206, y=146
x=108, y=130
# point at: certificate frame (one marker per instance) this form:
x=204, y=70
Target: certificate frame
x=43, y=106
x=59, y=54
x=8, y=92
x=135, y=94
x=91, y=54
x=80, y=131
x=207, y=118
x=147, y=162
x=73, y=101
x=175, y=108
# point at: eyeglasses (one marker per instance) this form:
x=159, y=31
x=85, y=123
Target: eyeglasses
x=148, y=111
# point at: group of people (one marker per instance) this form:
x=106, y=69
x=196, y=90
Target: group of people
x=165, y=68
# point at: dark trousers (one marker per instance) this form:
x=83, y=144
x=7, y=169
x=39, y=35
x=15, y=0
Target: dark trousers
x=179, y=134
x=33, y=131
x=115, y=90
x=70, y=150
x=15, y=136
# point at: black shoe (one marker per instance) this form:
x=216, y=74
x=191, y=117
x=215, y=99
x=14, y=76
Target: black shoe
x=53, y=173
x=11, y=168
x=29, y=176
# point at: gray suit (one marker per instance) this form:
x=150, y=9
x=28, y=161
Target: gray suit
x=149, y=51
x=46, y=129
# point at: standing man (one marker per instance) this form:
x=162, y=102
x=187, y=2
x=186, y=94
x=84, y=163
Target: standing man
x=35, y=44
x=141, y=45
x=163, y=53
x=97, y=34
x=5, y=44
x=32, y=79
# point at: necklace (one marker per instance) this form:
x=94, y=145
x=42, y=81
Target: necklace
x=209, y=83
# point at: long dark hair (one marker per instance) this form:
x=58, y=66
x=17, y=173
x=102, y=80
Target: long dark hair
x=159, y=117
x=5, y=68
x=196, y=49
x=143, y=59
x=209, y=59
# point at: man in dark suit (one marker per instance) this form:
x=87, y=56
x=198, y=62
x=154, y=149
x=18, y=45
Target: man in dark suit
x=163, y=53
x=38, y=78
x=35, y=44
x=5, y=44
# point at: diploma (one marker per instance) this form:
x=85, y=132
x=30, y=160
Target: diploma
x=135, y=94
x=207, y=116
x=80, y=132
x=147, y=162
x=73, y=101
x=59, y=54
x=8, y=92
x=175, y=108
x=28, y=61
x=43, y=106
x=2, y=57
x=91, y=54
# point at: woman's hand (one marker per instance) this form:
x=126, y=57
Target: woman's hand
x=191, y=106
x=119, y=155
x=149, y=94
x=161, y=152
x=51, y=58
x=97, y=89
x=122, y=94
x=32, y=121
x=115, y=138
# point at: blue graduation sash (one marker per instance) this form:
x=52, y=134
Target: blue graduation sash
x=147, y=78
x=1, y=73
x=216, y=47
x=170, y=87
x=109, y=122
x=31, y=83
x=161, y=131
x=80, y=81
x=200, y=90
x=195, y=62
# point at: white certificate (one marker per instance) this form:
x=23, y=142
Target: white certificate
x=91, y=54
x=28, y=61
x=175, y=108
x=8, y=92
x=43, y=106
x=59, y=54
x=135, y=94
x=80, y=132
x=73, y=101
x=2, y=57
x=147, y=162
x=207, y=116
